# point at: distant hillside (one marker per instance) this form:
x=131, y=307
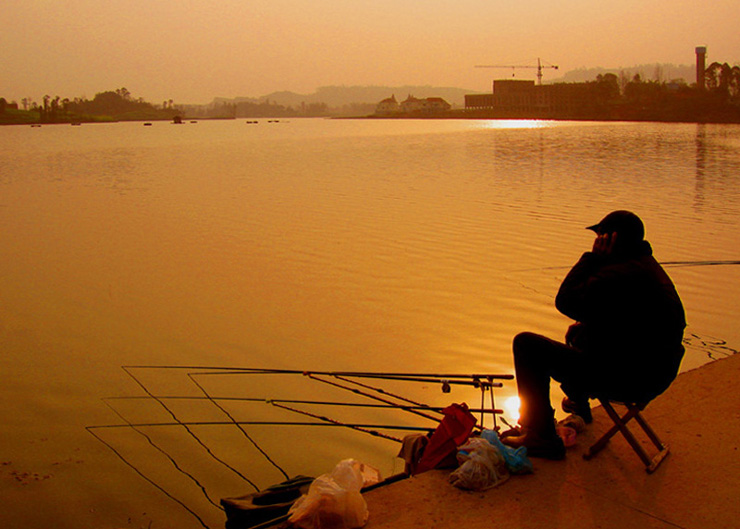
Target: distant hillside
x=340, y=96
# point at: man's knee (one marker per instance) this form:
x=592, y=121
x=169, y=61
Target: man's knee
x=525, y=342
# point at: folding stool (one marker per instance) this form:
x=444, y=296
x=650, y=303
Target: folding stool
x=620, y=425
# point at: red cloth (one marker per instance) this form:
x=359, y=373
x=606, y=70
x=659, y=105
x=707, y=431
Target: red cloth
x=453, y=431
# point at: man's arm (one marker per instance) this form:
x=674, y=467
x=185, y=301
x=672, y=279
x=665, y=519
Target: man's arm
x=576, y=291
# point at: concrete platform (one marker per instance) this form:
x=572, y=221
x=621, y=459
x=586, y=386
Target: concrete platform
x=697, y=486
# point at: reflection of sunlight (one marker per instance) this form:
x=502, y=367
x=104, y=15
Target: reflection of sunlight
x=514, y=123
x=511, y=407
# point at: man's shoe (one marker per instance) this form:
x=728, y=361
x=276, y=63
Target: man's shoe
x=582, y=409
x=547, y=447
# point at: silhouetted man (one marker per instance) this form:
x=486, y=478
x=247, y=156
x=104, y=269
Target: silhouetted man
x=626, y=343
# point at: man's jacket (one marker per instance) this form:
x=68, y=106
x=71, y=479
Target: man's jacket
x=633, y=320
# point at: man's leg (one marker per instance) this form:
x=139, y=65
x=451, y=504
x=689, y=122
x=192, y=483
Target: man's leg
x=537, y=359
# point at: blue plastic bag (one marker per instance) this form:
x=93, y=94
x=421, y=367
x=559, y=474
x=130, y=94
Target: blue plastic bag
x=516, y=459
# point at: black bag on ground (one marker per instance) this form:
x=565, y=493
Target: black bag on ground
x=260, y=507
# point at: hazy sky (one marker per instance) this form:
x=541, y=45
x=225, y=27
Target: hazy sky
x=193, y=50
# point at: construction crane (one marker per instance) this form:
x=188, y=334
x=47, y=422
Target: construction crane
x=539, y=67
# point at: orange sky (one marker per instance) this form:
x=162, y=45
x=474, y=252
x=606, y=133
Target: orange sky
x=194, y=50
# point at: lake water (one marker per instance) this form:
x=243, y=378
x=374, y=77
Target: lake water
x=361, y=245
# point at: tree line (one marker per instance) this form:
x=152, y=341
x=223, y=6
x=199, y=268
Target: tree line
x=271, y=109
x=618, y=97
x=113, y=105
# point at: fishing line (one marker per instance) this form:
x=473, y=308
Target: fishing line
x=191, y=433
x=699, y=263
x=172, y=460
x=297, y=401
x=712, y=346
x=239, y=426
x=372, y=429
x=671, y=264
x=259, y=423
x=146, y=478
x=440, y=379
x=338, y=423
x=231, y=370
x=375, y=397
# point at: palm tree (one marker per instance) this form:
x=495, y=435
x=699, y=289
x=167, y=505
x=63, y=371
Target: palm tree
x=723, y=79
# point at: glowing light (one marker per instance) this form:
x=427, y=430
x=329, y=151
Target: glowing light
x=514, y=124
x=511, y=407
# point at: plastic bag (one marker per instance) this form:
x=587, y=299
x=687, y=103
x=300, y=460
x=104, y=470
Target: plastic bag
x=516, y=458
x=334, y=500
x=482, y=468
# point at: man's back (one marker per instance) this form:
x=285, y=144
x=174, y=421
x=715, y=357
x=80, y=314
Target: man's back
x=632, y=315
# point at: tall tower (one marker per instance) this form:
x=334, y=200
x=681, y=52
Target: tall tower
x=701, y=59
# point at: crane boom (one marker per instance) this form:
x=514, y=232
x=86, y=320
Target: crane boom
x=539, y=67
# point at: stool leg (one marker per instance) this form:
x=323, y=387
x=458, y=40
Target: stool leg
x=604, y=439
x=649, y=431
x=620, y=425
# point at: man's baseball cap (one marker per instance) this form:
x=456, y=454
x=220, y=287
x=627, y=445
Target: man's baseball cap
x=627, y=225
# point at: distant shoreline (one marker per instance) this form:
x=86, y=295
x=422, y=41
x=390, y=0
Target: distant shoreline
x=99, y=121
x=482, y=116
x=446, y=116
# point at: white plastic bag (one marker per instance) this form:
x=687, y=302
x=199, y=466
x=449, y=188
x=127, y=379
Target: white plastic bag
x=334, y=500
x=483, y=466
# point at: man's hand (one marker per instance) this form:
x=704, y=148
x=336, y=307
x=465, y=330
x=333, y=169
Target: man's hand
x=571, y=335
x=604, y=243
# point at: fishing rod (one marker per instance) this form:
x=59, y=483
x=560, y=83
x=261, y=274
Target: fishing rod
x=478, y=380
x=423, y=377
x=483, y=385
x=338, y=423
x=482, y=381
x=298, y=401
x=260, y=423
x=417, y=406
x=374, y=397
x=699, y=263
x=672, y=264
x=475, y=381
x=446, y=381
